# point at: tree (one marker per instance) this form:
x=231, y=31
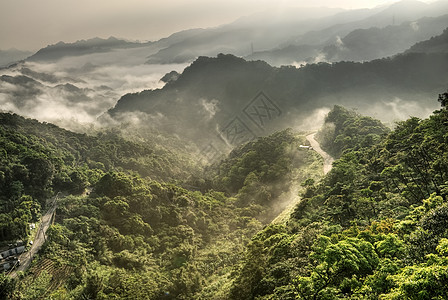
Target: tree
x=443, y=99
x=339, y=267
x=7, y=286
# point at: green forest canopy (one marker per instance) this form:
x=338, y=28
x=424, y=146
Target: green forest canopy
x=375, y=227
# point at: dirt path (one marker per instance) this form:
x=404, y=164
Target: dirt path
x=27, y=257
x=328, y=160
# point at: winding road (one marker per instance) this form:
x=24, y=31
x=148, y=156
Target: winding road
x=328, y=162
x=27, y=257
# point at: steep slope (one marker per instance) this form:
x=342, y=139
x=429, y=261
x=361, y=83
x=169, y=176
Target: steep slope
x=347, y=130
x=375, y=227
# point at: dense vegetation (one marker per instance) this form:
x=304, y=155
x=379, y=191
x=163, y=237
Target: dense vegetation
x=37, y=160
x=347, y=130
x=136, y=235
x=374, y=228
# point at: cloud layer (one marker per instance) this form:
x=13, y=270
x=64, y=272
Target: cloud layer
x=77, y=89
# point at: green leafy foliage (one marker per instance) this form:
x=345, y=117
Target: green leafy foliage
x=37, y=160
x=347, y=130
x=259, y=171
x=375, y=225
x=134, y=234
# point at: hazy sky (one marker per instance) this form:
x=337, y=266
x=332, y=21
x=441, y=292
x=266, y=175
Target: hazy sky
x=33, y=24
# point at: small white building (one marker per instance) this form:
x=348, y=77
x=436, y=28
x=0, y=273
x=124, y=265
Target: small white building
x=306, y=147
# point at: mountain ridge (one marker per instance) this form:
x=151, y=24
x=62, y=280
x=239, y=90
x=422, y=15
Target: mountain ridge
x=82, y=47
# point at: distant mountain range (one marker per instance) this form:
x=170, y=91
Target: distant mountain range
x=305, y=36
x=286, y=36
x=373, y=43
x=83, y=47
x=362, y=43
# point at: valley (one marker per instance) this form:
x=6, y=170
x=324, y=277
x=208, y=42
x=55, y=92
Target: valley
x=293, y=152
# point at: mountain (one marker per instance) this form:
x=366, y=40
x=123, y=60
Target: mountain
x=437, y=44
x=362, y=40
x=213, y=95
x=397, y=13
x=82, y=47
x=373, y=43
x=374, y=227
x=10, y=56
x=263, y=30
x=291, y=28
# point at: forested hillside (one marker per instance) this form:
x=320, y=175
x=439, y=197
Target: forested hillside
x=230, y=150
x=347, y=130
x=374, y=228
x=138, y=234
x=39, y=160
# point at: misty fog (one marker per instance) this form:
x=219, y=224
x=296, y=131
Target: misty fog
x=111, y=82
x=223, y=149
x=77, y=89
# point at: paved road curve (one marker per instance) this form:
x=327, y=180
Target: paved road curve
x=40, y=238
x=328, y=160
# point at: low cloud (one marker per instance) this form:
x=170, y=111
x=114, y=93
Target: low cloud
x=209, y=107
x=313, y=121
x=402, y=110
x=397, y=109
x=77, y=90
x=415, y=26
x=339, y=43
x=320, y=57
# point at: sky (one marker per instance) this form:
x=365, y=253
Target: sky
x=32, y=24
